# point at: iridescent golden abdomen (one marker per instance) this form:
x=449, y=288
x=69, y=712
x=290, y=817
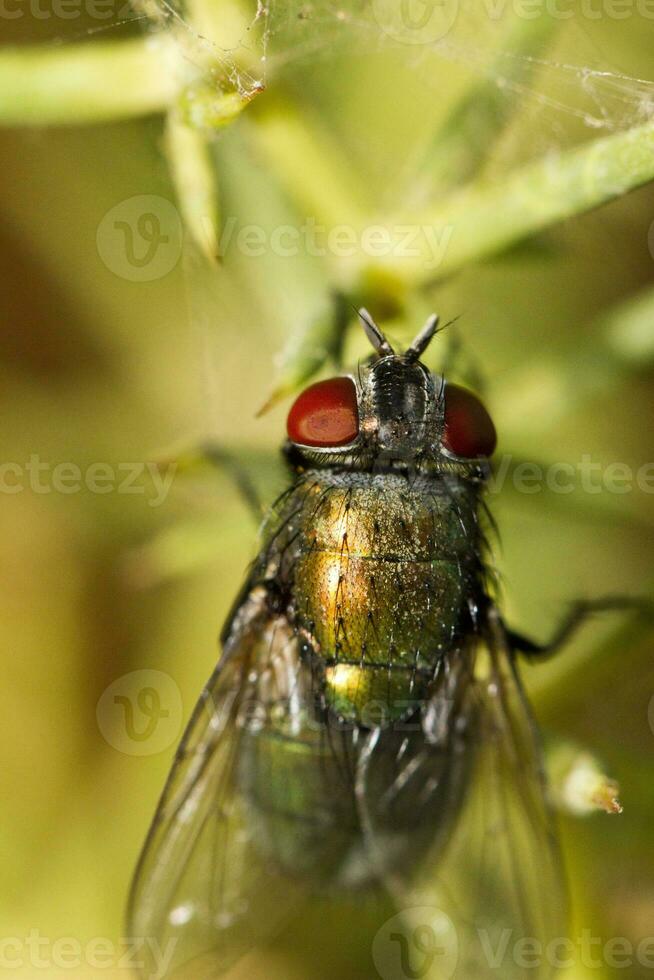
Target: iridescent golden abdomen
x=382, y=572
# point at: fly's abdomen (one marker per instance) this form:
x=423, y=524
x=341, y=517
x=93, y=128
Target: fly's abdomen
x=303, y=815
x=294, y=772
x=299, y=768
x=302, y=808
x=382, y=573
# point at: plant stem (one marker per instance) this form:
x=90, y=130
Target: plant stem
x=308, y=165
x=86, y=83
x=309, y=348
x=460, y=147
x=627, y=330
x=196, y=184
x=483, y=219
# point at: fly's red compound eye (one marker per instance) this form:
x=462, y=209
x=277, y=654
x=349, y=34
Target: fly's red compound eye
x=325, y=414
x=469, y=429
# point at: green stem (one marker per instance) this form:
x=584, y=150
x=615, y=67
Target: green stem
x=86, y=83
x=484, y=219
x=196, y=183
x=536, y=397
x=310, y=347
x=460, y=147
x=308, y=164
x=627, y=330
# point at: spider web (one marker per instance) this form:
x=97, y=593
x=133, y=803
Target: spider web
x=592, y=68
x=577, y=73
x=578, y=69
x=552, y=85
x=548, y=83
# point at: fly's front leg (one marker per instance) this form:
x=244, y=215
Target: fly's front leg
x=212, y=454
x=460, y=360
x=579, y=613
x=232, y=466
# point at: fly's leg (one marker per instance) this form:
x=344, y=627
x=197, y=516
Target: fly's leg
x=223, y=460
x=459, y=360
x=198, y=457
x=580, y=612
x=341, y=312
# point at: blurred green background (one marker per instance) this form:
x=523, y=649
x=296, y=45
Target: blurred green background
x=96, y=368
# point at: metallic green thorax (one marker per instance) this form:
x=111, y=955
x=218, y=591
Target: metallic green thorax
x=381, y=575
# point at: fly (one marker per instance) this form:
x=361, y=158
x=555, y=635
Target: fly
x=365, y=731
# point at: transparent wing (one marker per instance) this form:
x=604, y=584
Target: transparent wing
x=488, y=877
x=204, y=892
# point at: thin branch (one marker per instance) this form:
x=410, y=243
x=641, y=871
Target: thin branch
x=309, y=165
x=463, y=142
x=484, y=219
x=86, y=83
x=196, y=185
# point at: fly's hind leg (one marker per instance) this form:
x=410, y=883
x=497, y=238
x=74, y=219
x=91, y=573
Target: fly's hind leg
x=579, y=614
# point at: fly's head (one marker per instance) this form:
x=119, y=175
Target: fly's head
x=393, y=415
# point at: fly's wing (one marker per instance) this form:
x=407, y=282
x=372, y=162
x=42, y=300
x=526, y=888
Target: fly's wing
x=486, y=896
x=203, y=893
x=501, y=880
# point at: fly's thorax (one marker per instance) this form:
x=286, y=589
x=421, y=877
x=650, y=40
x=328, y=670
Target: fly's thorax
x=380, y=572
x=401, y=401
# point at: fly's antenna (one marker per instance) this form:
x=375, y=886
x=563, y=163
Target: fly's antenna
x=374, y=334
x=423, y=339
